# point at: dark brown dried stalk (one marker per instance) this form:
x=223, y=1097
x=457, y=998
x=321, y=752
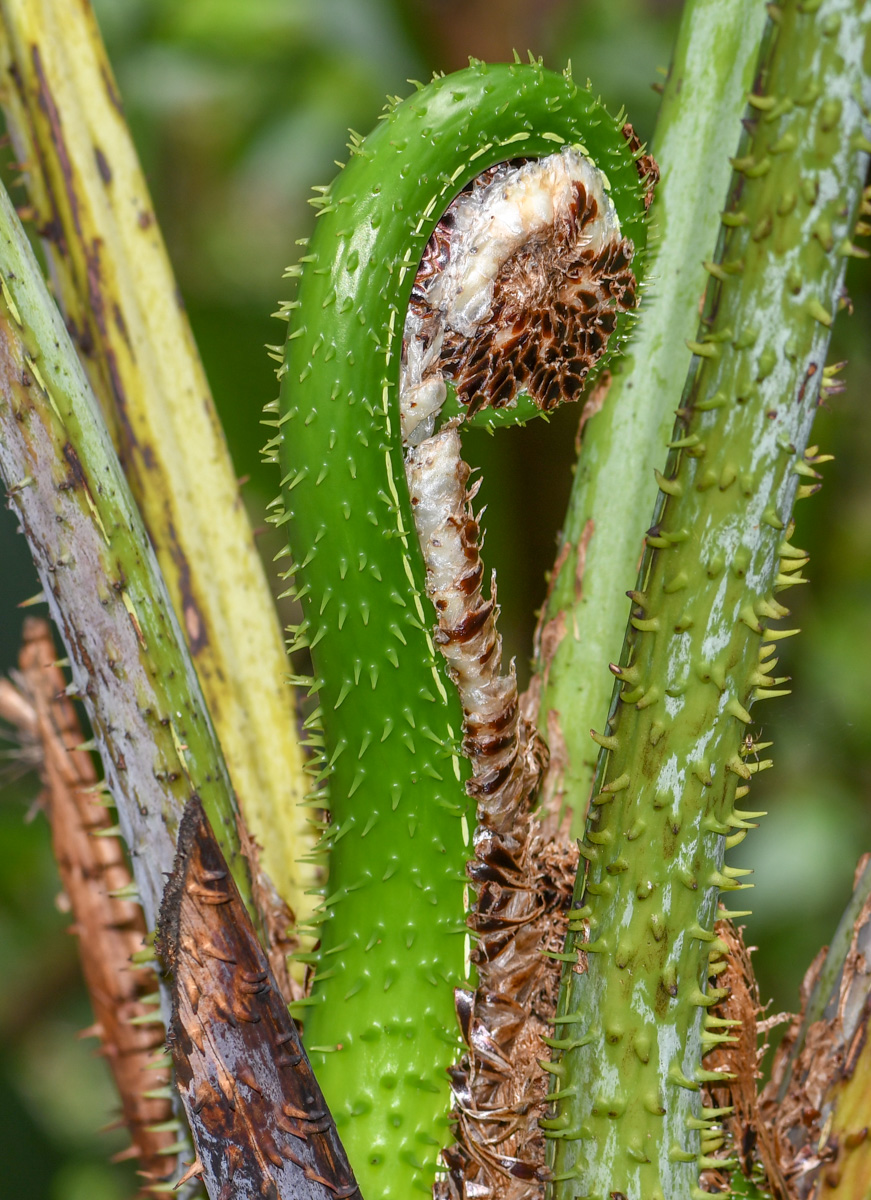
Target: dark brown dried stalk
x=259, y=1120
x=110, y=928
x=805, y=1134
x=738, y=1056
x=525, y=879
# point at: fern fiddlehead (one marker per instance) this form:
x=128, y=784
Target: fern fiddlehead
x=380, y=1022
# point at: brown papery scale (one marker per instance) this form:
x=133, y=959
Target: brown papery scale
x=549, y=275
x=259, y=1121
x=519, y=289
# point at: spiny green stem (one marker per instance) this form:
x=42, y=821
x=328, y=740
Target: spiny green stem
x=614, y=487
x=627, y=1108
x=381, y=1026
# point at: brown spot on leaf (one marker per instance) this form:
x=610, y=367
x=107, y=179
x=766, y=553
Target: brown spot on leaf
x=121, y=326
x=103, y=166
x=76, y=477
x=48, y=106
x=196, y=630
x=581, y=559
x=111, y=89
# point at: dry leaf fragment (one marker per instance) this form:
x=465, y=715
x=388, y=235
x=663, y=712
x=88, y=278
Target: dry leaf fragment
x=260, y=1124
x=817, y=1099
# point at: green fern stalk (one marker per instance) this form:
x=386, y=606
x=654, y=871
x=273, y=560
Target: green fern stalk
x=712, y=70
x=631, y=1030
x=128, y=660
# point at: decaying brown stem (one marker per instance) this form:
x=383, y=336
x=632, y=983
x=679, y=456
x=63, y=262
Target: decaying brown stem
x=816, y=1102
x=521, y=872
x=110, y=928
x=806, y=1131
x=260, y=1124
x=737, y=1053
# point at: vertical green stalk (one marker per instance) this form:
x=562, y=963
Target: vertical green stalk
x=631, y=1029
x=127, y=655
x=712, y=70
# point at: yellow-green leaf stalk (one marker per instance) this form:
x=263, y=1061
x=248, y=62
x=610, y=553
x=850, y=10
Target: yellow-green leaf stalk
x=631, y=1025
x=117, y=290
x=129, y=663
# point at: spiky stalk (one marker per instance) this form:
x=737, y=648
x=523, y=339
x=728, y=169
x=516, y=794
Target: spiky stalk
x=711, y=71
x=108, y=923
x=381, y=1023
x=631, y=1029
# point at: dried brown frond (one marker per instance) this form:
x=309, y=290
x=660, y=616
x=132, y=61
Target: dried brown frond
x=801, y=1104
x=807, y=1130
x=18, y=727
x=749, y=1140
x=110, y=929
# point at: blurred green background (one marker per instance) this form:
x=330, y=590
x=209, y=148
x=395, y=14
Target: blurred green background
x=237, y=110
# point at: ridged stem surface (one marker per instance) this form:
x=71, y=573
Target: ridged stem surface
x=632, y=1025
x=711, y=72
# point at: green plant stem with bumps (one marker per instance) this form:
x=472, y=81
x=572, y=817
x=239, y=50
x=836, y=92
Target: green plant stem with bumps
x=380, y=1024
x=631, y=1030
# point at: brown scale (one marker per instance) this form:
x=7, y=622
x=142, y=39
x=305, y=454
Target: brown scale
x=554, y=307
x=258, y=1118
x=522, y=876
x=524, y=882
